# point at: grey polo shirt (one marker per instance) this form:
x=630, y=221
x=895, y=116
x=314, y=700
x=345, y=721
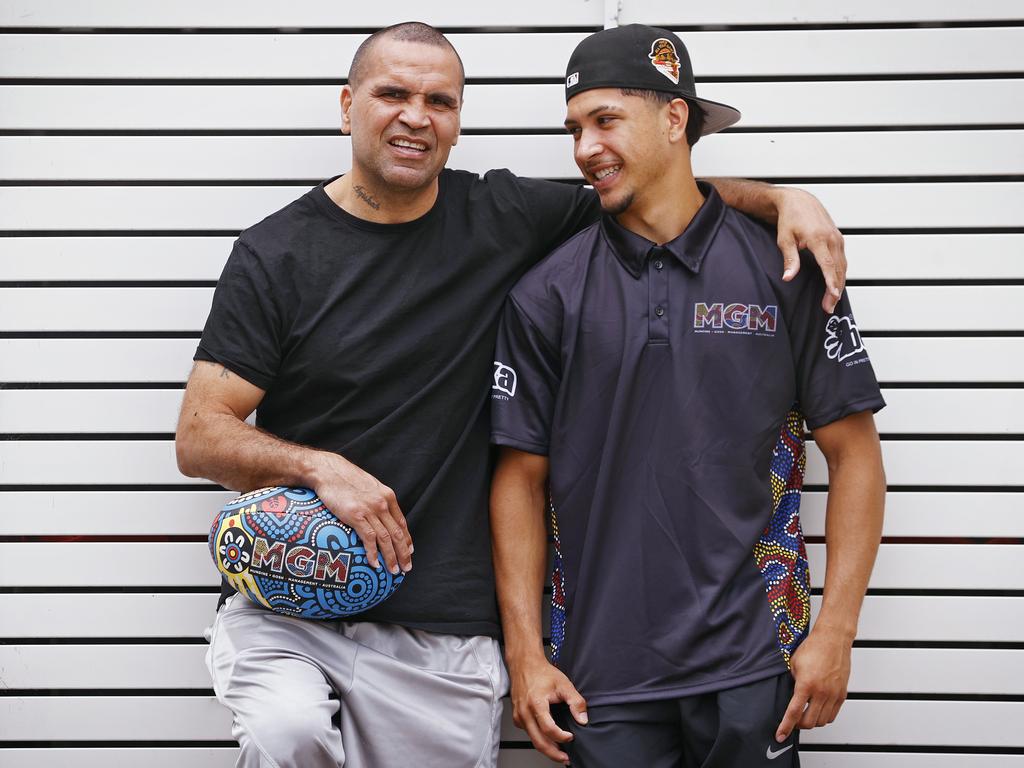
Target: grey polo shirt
x=669, y=386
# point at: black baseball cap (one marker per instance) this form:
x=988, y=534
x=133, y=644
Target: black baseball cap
x=638, y=56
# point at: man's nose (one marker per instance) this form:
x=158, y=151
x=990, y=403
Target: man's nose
x=588, y=146
x=414, y=114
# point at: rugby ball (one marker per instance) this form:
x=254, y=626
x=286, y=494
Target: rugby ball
x=284, y=550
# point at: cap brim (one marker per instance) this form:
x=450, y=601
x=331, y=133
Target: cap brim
x=716, y=116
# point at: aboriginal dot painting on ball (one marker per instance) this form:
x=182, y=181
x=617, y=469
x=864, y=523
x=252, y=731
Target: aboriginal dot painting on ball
x=284, y=550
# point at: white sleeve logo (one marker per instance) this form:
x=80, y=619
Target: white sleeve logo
x=842, y=339
x=504, y=379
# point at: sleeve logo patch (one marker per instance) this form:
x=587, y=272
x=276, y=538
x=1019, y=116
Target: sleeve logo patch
x=504, y=379
x=842, y=339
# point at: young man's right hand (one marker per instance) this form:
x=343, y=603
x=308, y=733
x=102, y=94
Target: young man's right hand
x=536, y=686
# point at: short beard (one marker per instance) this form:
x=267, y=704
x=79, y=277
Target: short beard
x=620, y=207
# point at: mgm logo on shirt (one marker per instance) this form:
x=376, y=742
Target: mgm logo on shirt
x=747, y=319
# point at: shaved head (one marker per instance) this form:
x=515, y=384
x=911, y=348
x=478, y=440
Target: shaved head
x=407, y=31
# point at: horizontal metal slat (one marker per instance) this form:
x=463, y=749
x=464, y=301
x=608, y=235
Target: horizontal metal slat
x=65, y=411
x=196, y=14
x=885, y=308
x=123, y=259
x=760, y=155
x=499, y=106
x=192, y=207
x=123, y=666
x=102, y=512
x=512, y=757
x=791, y=12
x=892, y=618
x=532, y=13
x=258, y=107
x=941, y=359
x=141, y=462
x=326, y=56
x=934, y=514
x=188, y=564
x=143, y=718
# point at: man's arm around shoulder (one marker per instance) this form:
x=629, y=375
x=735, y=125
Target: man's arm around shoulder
x=853, y=529
x=214, y=441
x=519, y=537
x=801, y=222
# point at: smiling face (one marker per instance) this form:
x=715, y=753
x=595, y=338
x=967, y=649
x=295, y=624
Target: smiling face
x=403, y=115
x=623, y=144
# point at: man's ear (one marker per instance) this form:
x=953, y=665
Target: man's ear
x=346, y=106
x=458, y=116
x=678, y=116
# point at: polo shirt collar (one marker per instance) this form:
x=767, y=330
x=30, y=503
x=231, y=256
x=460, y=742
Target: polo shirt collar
x=689, y=248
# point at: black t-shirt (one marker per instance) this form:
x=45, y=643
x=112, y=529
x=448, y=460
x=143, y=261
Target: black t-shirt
x=669, y=385
x=375, y=341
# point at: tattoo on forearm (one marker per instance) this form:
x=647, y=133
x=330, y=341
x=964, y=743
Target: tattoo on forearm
x=224, y=373
x=366, y=197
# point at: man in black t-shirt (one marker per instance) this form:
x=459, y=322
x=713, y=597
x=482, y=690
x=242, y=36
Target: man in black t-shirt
x=652, y=379
x=357, y=322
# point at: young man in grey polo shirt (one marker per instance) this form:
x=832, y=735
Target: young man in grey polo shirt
x=652, y=379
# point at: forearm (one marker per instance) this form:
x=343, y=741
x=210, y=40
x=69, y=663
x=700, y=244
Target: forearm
x=222, y=448
x=853, y=529
x=519, y=541
x=214, y=441
x=755, y=198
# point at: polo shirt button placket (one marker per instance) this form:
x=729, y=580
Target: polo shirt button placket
x=657, y=325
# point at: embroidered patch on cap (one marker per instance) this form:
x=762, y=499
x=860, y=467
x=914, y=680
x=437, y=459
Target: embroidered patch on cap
x=665, y=59
x=572, y=79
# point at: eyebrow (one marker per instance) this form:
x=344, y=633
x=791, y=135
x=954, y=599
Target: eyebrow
x=604, y=108
x=447, y=98
x=594, y=111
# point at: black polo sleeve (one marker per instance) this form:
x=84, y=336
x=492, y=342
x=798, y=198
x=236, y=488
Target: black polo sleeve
x=243, y=330
x=833, y=371
x=525, y=382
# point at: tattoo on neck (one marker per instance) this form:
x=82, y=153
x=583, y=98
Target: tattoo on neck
x=366, y=197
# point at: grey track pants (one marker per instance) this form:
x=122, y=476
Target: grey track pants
x=313, y=694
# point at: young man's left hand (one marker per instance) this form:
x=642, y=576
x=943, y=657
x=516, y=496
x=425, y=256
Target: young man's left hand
x=821, y=670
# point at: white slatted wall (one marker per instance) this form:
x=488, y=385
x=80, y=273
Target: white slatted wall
x=137, y=139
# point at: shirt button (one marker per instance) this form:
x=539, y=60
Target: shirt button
x=658, y=264
x=659, y=311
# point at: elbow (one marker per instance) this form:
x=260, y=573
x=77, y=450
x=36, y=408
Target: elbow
x=864, y=468
x=185, y=452
x=183, y=456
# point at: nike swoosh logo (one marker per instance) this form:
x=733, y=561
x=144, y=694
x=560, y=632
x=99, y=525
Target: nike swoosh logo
x=772, y=755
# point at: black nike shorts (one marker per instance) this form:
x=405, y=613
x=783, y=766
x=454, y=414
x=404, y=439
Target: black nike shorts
x=734, y=728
